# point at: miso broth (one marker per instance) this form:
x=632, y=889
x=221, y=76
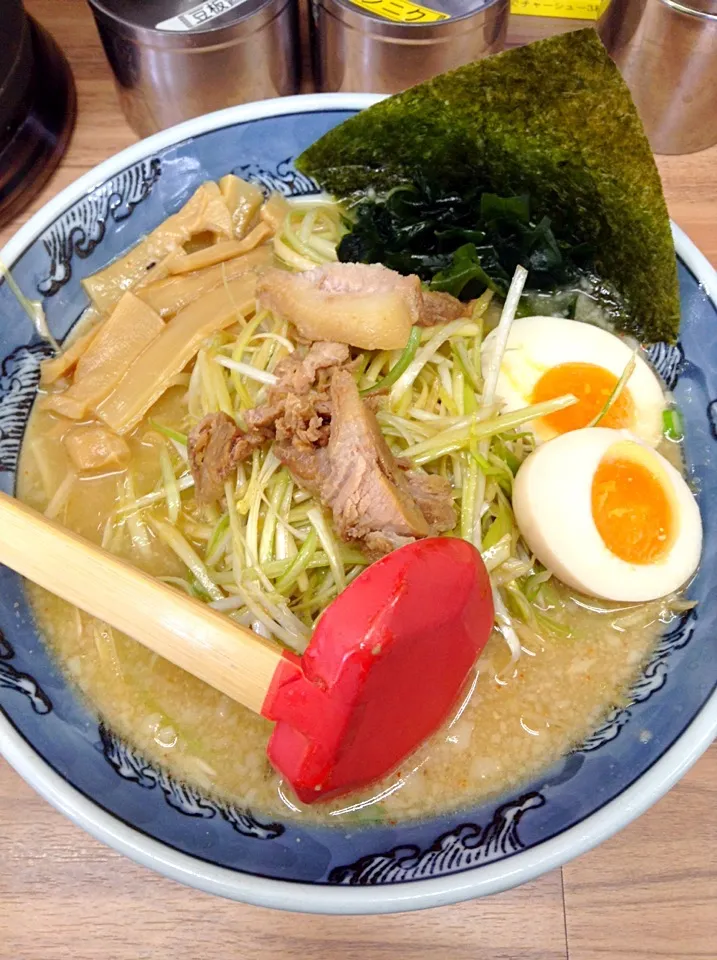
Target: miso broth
x=536, y=692
x=511, y=726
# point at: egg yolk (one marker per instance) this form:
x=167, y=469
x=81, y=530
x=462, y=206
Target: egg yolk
x=592, y=385
x=632, y=510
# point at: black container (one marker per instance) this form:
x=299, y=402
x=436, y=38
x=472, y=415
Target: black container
x=37, y=108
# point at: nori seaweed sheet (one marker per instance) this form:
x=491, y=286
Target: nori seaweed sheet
x=553, y=119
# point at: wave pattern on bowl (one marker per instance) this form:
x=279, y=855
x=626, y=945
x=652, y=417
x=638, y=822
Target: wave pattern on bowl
x=214, y=842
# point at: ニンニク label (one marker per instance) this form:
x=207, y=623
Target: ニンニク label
x=401, y=11
x=200, y=15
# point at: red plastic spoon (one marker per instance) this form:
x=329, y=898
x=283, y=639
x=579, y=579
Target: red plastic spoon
x=385, y=665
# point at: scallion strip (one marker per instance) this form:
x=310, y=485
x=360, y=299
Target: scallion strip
x=349, y=555
x=274, y=501
x=33, y=308
x=138, y=533
x=61, y=495
x=172, y=538
x=423, y=356
x=399, y=367
x=490, y=384
x=505, y=627
x=468, y=494
x=298, y=564
x=328, y=542
x=617, y=390
x=460, y=354
x=171, y=487
x=183, y=483
x=247, y=370
x=169, y=433
x=217, y=541
x=501, y=526
x=458, y=437
x=672, y=426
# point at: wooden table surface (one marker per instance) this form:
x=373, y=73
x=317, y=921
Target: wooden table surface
x=649, y=893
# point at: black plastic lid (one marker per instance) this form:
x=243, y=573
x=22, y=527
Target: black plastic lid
x=11, y=28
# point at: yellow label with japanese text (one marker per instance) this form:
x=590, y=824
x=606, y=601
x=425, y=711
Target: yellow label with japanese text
x=569, y=9
x=401, y=11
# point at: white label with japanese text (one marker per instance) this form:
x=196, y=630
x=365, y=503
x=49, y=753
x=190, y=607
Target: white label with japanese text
x=200, y=15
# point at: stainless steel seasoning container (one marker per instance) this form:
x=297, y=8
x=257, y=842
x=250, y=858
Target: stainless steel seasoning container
x=667, y=52
x=177, y=59
x=384, y=46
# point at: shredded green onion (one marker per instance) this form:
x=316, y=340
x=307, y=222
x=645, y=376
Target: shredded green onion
x=33, y=308
x=171, y=487
x=491, y=375
x=459, y=437
x=172, y=538
x=139, y=534
x=439, y=336
x=502, y=525
x=170, y=433
x=218, y=540
x=299, y=563
x=672, y=426
x=184, y=482
x=267, y=555
x=61, y=496
x=328, y=542
x=401, y=365
x=247, y=370
x=617, y=390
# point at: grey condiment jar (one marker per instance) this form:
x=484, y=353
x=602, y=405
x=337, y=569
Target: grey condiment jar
x=177, y=59
x=355, y=49
x=667, y=52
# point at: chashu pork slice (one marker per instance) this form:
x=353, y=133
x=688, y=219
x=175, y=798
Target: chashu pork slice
x=363, y=485
x=365, y=305
x=372, y=498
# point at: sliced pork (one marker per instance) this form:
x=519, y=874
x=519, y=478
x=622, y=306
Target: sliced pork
x=364, y=485
x=298, y=372
x=330, y=440
x=434, y=498
x=365, y=305
x=438, y=308
x=373, y=500
x=215, y=447
x=297, y=412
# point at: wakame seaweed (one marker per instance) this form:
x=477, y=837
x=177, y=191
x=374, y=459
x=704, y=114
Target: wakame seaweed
x=460, y=243
x=554, y=121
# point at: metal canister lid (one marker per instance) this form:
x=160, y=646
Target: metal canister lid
x=186, y=23
x=699, y=8
x=404, y=18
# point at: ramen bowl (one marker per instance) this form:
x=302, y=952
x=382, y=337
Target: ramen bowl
x=57, y=744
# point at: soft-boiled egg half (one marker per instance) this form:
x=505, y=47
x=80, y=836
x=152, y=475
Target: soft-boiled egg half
x=608, y=515
x=547, y=357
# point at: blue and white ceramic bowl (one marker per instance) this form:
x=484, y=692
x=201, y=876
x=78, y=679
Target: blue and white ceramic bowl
x=52, y=739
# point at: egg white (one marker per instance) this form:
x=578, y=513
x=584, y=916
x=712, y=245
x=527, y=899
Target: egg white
x=536, y=344
x=552, y=501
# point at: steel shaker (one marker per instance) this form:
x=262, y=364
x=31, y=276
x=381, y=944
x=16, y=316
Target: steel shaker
x=177, y=59
x=667, y=52
x=384, y=46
